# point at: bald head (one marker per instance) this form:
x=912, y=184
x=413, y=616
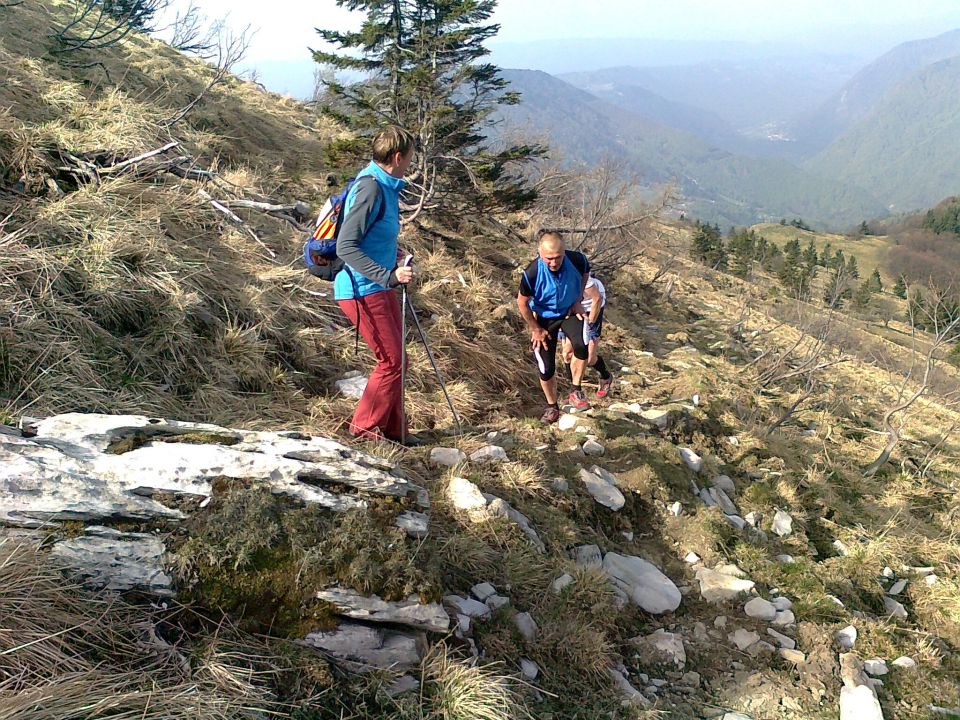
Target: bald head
x=551, y=249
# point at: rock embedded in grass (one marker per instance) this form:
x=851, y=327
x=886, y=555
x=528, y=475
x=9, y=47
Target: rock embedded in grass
x=643, y=583
x=760, y=609
x=447, y=457
x=488, y=455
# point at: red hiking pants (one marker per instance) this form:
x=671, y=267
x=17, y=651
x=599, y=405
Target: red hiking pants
x=380, y=410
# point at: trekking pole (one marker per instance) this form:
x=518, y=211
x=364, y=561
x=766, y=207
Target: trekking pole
x=426, y=346
x=403, y=358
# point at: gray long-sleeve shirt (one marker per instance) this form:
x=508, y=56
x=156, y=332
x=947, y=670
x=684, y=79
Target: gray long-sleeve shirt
x=363, y=213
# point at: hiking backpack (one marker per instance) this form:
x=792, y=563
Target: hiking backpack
x=320, y=249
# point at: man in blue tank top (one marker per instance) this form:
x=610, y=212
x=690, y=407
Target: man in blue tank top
x=549, y=300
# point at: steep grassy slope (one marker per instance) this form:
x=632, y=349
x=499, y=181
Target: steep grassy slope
x=903, y=151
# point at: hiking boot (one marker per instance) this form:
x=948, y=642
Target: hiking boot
x=579, y=400
x=603, y=389
x=550, y=415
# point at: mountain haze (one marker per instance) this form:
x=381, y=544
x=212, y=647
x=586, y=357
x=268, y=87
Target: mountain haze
x=862, y=94
x=905, y=151
x=718, y=185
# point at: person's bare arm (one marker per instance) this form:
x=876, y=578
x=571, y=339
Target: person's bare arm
x=538, y=336
x=594, y=294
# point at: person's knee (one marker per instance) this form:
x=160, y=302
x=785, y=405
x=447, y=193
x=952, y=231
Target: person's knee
x=580, y=352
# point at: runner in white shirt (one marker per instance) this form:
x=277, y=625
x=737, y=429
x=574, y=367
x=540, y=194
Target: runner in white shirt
x=593, y=302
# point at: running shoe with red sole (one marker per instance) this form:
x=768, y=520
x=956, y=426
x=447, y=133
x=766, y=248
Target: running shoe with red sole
x=579, y=400
x=550, y=415
x=603, y=389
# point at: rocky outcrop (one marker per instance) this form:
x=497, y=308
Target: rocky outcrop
x=361, y=649
x=410, y=612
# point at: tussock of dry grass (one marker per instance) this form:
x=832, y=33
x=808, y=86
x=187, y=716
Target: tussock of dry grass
x=457, y=690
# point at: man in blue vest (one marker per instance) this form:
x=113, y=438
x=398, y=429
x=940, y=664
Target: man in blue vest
x=549, y=300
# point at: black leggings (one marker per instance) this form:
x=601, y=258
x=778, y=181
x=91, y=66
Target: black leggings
x=574, y=328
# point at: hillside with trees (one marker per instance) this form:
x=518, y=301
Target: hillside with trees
x=760, y=522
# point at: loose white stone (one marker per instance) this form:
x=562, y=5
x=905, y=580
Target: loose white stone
x=904, y=662
x=489, y=454
x=931, y=579
x=568, y=422
x=760, y=609
x=841, y=548
x=784, y=618
x=410, y=612
x=847, y=637
x=560, y=484
x=463, y=622
x=709, y=499
x=481, y=591
x=743, y=638
x=753, y=519
x=495, y=602
x=787, y=559
x=794, y=656
x=561, y=582
x=738, y=522
x=526, y=625
x=351, y=386
x=676, y=509
x=875, y=666
x=725, y=483
x=448, y=457
x=692, y=558
x=660, y=647
x=592, y=447
x=782, y=640
x=464, y=495
x=467, y=606
x=587, y=556
x=643, y=583
x=782, y=523
x=782, y=603
x=529, y=669
x=717, y=587
x=859, y=703
x=631, y=696
x=888, y=573
x=735, y=716
x=602, y=491
x=898, y=587
x=691, y=459
x=720, y=622
x=725, y=503
x=893, y=608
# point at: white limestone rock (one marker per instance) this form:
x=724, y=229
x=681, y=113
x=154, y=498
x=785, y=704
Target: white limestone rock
x=568, y=422
x=464, y=495
x=859, y=703
x=603, y=491
x=782, y=523
x=847, y=637
x=893, y=608
x=489, y=454
x=447, y=457
x=760, y=609
x=630, y=695
x=725, y=483
x=794, y=656
x=592, y=447
x=587, y=556
x=481, y=591
x=783, y=618
x=529, y=669
x=676, y=509
x=351, y=386
x=526, y=626
x=782, y=640
x=904, y=663
x=660, y=648
x=112, y=560
x=467, y=606
x=898, y=587
x=361, y=648
x=743, y=638
x=716, y=587
x=643, y=583
x=561, y=582
x=410, y=612
x=875, y=667
x=691, y=459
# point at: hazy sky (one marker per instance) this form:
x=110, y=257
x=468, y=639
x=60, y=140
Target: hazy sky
x=285, y=28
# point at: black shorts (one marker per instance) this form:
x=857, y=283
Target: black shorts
x=573, y=328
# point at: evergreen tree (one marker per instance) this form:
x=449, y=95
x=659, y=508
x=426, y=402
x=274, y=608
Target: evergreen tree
x=826, y=255
x=422, y=61
x=852, y=270
x=810, y=255
x=876, y=284
x=900, y=288
x=864, y=229
x=861, y=298
x=837, y=261
x=708, y=246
